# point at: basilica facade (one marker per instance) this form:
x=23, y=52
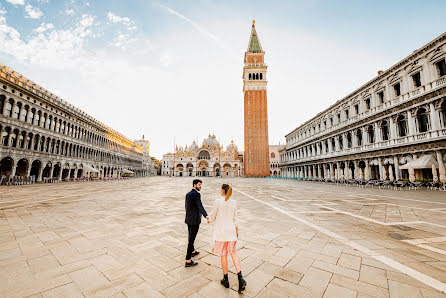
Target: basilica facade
x=391, y=128
x=209, y=159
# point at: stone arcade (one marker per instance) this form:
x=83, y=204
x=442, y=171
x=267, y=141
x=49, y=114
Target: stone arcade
x=391, y=128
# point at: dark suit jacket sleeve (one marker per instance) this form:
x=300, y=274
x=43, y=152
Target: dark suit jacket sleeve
x=200, y=205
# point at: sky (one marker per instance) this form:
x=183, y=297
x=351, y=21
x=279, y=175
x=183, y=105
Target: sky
x=172, y=70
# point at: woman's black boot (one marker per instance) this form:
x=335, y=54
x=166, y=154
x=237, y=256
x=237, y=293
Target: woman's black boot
x=241, y=282
x=225, y=281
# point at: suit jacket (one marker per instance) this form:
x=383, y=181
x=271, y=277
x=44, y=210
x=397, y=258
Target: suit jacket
x=194, y=208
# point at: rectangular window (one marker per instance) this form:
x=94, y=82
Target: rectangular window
x=416, y=80
x=381, y=97
x=367, y=103
x=441, y=67
x=397, y=89
x=356, y=109
x=346, y=114
x=339, y=118
x=331, y=121
x=325, y=124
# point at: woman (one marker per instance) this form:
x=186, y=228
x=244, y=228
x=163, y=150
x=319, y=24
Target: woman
x=226, y=234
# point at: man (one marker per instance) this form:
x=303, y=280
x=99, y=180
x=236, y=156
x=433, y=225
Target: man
x=194, y=210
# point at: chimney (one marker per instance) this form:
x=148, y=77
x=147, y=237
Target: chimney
x=380, y=72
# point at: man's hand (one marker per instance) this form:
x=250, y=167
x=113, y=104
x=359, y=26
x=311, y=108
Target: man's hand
x=208, y=218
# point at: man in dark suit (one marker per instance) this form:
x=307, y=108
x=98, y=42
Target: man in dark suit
x=194, y=210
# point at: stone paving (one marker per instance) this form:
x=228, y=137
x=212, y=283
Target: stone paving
x=297, y=239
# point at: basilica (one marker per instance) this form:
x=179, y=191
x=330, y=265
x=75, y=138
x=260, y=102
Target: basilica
x=209, y=159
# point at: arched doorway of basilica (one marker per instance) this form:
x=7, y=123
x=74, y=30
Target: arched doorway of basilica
x=217, y=170
x=226, y=169
x=180, y=169
x=189, y=169
x=203, y=166
x=6, y=165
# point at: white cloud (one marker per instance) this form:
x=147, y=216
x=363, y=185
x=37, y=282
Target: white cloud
x=69, y=12
x=44, y=27
x=16, y=2
x=129, y=24
x=33, y=12
x=87, y=20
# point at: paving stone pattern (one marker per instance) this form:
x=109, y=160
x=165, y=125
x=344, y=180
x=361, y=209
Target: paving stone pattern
x=297, y=239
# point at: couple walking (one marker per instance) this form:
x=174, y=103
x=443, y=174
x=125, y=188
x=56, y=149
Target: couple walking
x=225, y=229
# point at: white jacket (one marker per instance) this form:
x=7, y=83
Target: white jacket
x=224, y=215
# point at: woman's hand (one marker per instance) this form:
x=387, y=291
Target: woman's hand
x=236, y=231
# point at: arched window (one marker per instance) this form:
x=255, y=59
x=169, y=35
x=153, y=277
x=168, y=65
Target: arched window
x=423, y=120
x=38, y=116
x=261, y=76
x=257, y=76
x=371, y=134
x=44, y=120
x=14, y=137
x=359, y=137
x=385, y=130
x=31, y=115
x=341, y=142
x=16, y=112
x=349, y=140
x=402, y=126
x=9, y=107
x=24, y=114
x=249, y=76
x=273, y=155
x=333, y=144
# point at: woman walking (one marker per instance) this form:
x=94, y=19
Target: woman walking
x=226, y=234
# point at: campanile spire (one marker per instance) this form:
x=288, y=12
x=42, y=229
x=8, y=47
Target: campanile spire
x=256, y=153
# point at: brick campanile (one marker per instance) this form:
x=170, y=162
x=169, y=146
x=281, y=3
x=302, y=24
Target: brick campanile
x=256, y=155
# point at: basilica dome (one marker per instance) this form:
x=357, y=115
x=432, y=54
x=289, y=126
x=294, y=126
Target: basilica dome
x=211, y=141
x=232, y=146
x=193, y=147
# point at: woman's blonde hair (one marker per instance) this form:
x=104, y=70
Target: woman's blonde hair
x=228, y=191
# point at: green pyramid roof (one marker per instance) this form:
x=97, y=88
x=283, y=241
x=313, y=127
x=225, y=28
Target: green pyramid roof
x=254, y=43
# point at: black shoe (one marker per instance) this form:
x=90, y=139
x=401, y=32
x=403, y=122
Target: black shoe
x=195, y=253
x=225, y=281
x=191, y=264
x=241, y=282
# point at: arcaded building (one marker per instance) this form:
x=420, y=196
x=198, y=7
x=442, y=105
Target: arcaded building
x=43, y=136
x=209, y=159
x=274, y=160
x=391, y=128
x=256, y=153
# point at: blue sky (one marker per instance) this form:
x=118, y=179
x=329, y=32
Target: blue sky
x=172, y=69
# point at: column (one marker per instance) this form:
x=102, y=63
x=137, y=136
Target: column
x=365, y=140
x=381, y=174
x=385, y=172
x=344, y=140
x=60, y=173
x=28, y=171
x=13, y=170
x=411, y=123
x=378, y=137
x=321, y=171
x=391, y=178
x=397, y=168
x=435, y=119
x=52, y=171
x=39, y=176
x=392, y=130
x=441, y=168
x=336, y=138
x=367, y=170
x=75, y=173
x=434, y=174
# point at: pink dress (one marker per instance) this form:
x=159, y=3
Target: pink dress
x=225, y=235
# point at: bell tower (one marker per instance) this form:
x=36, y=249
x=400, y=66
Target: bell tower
x=256, y=155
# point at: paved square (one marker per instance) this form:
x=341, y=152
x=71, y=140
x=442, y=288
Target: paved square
x=297, y=239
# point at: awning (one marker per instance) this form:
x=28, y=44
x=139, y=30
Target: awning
x=125, y=171
x=424, y=162
x=88, y=168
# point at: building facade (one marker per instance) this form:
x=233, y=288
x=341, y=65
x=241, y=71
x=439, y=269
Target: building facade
x=255, y=105
x=167, y=164
x=209, y=159
x=391, y=128
x=274, y=160
x=42, y=135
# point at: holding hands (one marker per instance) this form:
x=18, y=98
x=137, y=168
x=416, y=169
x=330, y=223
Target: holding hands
x=208, y=219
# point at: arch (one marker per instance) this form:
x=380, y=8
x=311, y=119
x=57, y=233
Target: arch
x=359, y=137
x=257, y=76
x=204, y=154
x=226, y=169
x=402, y=125
x=371, y=134
x=385, y=128
x=35, y=168
x=422, y=118
x=56, y=170
x=22, y=167
x=261, y=76
x=273, y=155
x=6, y=166
x=47, y=170
x=8, y=109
